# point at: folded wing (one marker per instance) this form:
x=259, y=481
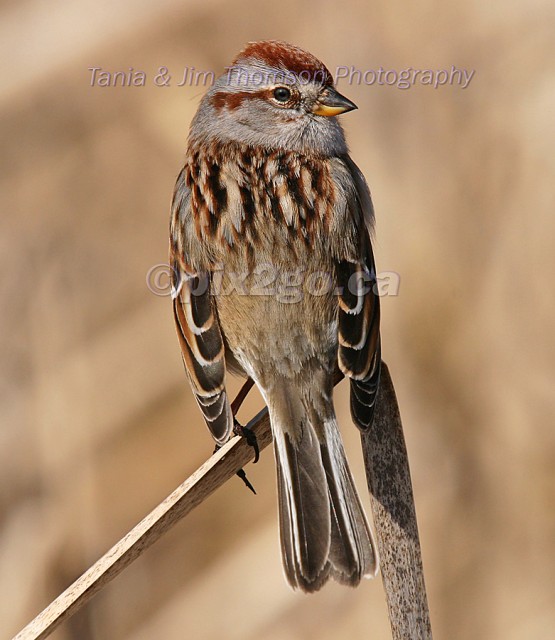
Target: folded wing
x=197, y=325
x=359, y=310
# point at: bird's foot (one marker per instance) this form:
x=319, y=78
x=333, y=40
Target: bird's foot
x=250, y=437
x=241, y=473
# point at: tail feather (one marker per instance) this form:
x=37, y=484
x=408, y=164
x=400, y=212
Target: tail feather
x=352, y=550
x=323, y=529
x=305, y=527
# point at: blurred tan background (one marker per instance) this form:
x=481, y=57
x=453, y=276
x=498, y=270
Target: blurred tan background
x=97, y=421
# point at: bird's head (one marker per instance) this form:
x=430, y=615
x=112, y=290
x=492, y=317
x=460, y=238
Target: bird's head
x=274, y=96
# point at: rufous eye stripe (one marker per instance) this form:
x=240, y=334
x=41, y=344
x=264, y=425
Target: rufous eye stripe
x=233, y=100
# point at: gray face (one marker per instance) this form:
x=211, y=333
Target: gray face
x=261, y=106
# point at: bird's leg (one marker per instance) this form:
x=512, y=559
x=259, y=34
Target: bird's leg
x=243, y=393
x=239, y=429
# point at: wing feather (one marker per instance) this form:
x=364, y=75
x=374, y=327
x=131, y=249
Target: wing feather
x=196, y=321
x=359, y=355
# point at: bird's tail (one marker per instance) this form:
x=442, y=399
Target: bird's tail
x=323, y=530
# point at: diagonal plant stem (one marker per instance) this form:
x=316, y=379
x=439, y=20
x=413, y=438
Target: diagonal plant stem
x=211, y=475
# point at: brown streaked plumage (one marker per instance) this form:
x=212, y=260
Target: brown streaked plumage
x=273, y=278
x=294, y=190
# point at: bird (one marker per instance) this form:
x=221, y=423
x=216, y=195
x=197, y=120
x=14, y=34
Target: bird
x=273, y=279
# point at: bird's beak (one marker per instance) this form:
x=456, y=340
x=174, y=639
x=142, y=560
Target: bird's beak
x=332, y=103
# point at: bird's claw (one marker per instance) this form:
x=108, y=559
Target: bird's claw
x=241, y=473
x=250, y=437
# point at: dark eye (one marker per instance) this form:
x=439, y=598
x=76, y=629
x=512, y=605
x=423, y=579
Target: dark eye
x=282, y=94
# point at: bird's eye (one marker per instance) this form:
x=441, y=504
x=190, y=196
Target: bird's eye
x=282, y=94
